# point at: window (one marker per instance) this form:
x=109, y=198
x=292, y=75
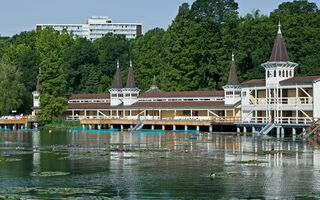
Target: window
x=244, y=94
x=127, y=95
x=114, y=95
x=280, y=73
x=275, y=73
x=290, y=73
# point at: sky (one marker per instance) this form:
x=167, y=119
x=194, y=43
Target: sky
x=23, y=15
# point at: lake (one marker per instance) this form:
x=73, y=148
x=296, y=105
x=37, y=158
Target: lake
x=170, y=165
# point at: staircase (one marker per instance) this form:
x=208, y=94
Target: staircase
x=313, y=129
x=266, y=129
x=138, y=126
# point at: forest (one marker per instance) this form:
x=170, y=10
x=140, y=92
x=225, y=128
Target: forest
x=194, y=53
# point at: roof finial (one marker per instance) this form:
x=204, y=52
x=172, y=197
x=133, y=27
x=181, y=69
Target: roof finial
x=117, y=63
x=279, y=27
x=130, y=63
x=232, y=56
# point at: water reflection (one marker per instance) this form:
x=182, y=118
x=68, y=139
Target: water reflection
x=289, y=167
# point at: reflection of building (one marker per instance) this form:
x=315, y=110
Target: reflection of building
x=97, y=27
x=278, y=101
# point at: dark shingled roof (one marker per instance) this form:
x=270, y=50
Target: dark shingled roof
x=117, y=83
x=279, y=51
x=254, y=82
x=183, y=94
x=233, y=78
x=88, y=105
x=130, y=82
x=302, y=79
x=183, y=104
x=90, y=96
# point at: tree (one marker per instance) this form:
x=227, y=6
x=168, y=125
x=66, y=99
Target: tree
x=81, y=52
x=11, y=88
x=216, y=9
x=52, y=77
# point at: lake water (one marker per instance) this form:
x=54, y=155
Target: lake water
x=170, y=165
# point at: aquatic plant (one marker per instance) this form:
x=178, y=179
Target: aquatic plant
x=47, y=174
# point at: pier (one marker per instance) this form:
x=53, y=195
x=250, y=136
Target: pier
x=17, y=122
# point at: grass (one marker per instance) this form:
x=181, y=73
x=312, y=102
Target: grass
x=63, y=124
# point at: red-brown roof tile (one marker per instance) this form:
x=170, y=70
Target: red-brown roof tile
x=279, y=51
x=184, y=104
x=303, y=79
x=254, y=82
x=90, y=96
x=215, y=93
x=88, y=105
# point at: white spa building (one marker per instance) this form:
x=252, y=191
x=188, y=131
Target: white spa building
x=280, y=103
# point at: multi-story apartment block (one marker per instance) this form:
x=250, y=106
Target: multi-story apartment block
x=97, y=27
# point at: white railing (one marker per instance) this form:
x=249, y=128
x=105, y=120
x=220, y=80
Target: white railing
x=180, y=118
x=283, y=100
x=280, y=120
x=193, y=118
x=19, y=117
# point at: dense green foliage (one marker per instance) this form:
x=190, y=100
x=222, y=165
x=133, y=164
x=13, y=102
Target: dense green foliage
x=11, y=89
x=194, y=53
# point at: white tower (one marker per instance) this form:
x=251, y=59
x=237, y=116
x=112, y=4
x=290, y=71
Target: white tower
x=36, y=98
x=130, y=92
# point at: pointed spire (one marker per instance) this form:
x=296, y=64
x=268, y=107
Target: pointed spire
x=233, y=78
x=153, y=87
x=279, y=27
x=279, y=50
x=130, y=81
x=117, y=83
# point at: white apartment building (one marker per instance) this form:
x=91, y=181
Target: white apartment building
x=96, y=27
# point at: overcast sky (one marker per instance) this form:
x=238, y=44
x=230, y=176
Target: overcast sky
x=22, y=15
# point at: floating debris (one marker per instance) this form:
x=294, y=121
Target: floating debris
x=47, y=174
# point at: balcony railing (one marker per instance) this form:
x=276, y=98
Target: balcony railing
x=226, y=119
x=282, y=100
x=280, y=120
x=19, y=117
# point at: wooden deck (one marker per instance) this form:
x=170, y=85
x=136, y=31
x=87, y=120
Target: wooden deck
x=17, y=120
x=147, y=122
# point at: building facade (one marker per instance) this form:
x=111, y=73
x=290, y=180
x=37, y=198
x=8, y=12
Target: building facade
x=278, y=101
x=96, y=27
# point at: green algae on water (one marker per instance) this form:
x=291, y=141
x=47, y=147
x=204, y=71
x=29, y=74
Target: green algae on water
x=48, y=174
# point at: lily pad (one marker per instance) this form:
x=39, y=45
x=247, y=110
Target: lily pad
x=47, y=174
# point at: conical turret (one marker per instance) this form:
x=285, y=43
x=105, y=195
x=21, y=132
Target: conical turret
x=117, y=83
x=232, y=90
x=233, y=78
x=130, y=81
x=279, y=51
